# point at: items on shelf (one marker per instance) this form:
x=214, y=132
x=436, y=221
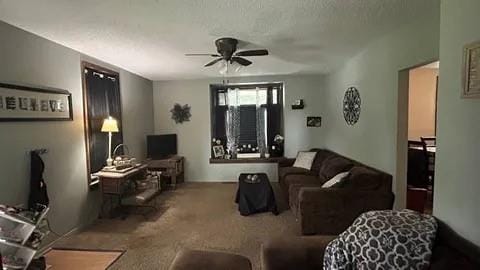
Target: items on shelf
x=21, y=233
x=13, y=262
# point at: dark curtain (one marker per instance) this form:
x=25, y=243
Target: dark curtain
x=103, y=96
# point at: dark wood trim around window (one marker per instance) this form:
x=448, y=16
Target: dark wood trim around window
x=277, y=125
x=87, y=65
x=248, y=160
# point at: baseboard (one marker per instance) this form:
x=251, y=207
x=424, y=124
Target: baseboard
x=44, y=249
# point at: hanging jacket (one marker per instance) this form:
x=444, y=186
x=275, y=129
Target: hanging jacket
x=38, y=188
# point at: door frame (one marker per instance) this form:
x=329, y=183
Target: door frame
x=402, y=134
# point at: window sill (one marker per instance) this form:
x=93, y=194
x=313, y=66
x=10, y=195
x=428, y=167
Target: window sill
x=247, y=160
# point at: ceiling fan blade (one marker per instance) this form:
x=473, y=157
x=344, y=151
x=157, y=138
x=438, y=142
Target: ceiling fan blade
x=241, y=61
x=214, y=62
x=252, y=53
x=202, y=54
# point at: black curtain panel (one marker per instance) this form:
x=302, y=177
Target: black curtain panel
x=103, y=97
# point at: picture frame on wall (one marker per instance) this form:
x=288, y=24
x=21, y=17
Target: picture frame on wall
x=471, y=71
x=32, y=103
x=314, y=121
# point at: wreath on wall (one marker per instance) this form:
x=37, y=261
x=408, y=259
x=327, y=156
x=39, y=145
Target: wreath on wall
x=351, y=105
x=180, y=113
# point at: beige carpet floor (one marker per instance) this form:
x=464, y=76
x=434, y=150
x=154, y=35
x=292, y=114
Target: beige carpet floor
x=196, y=216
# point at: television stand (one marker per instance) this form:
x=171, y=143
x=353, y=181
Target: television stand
x=171, y=166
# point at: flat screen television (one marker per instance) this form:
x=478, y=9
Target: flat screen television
x=161, y=146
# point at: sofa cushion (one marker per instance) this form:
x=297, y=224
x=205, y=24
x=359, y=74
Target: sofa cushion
x=334, y=165
x=285, y=171
x=362, y=178
x=209, y=260
x=321, y=156
x=304, y=160
x=303, y=180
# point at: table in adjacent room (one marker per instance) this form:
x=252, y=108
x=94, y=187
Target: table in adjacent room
x=255, y=196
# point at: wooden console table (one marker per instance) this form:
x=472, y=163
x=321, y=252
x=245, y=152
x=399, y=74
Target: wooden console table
x=117, y=184
x=172, y=167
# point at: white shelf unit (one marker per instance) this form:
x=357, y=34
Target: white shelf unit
x=15, y=231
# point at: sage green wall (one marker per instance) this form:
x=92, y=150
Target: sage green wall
x=457, y=181
x=374, y=71
x=28, y=59
x=194, y=136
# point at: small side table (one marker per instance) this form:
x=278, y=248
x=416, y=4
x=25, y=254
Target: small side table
x=255, y=197
x=172, y=167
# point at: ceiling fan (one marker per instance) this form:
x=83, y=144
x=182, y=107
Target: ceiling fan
x=227, y=50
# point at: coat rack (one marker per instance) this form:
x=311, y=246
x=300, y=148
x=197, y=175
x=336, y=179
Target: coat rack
x=39, y=151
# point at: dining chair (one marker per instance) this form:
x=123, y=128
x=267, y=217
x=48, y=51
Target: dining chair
x=417, y=166
x=430, y=142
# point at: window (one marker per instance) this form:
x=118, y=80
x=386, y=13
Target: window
x=101, y=97
x=247, y=117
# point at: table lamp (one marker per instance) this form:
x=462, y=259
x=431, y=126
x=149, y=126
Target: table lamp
x=109, y=125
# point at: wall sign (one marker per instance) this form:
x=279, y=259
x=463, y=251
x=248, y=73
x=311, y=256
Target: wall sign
x=351, y=105
x=471, y=71
x=27, y=103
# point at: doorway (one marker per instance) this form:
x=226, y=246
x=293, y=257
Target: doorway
x=416, y=141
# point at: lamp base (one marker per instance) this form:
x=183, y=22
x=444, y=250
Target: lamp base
x=109, y=162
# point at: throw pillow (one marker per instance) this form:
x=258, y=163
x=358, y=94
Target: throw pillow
x=362, y=178
x=334, y=165
x=336, y=180
x=304, y=159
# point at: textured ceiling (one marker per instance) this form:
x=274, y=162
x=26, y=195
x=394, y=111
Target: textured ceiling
x=150, y=37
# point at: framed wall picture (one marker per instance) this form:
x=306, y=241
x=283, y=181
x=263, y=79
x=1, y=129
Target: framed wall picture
x=314, y=121
x=30, y=103
x=471, y=71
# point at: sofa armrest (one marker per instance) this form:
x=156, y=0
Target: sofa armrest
x=295, y=253
x=286, y=162
x=344, y=197
x=332, y=210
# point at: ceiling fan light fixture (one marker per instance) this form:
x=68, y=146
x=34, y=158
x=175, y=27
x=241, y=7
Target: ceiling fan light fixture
x=236, y=67
x=223, y=67
x=227, y=53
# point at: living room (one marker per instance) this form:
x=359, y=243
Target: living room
x=339, y=66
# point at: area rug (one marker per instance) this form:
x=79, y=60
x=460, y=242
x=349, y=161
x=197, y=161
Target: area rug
x=81, y=259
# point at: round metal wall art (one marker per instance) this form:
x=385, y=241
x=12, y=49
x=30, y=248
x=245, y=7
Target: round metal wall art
x=180, y=113
x=351, y=105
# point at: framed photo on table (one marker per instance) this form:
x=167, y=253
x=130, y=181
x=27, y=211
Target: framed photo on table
x=31, y=103
x=471, y=71
x=218, y=151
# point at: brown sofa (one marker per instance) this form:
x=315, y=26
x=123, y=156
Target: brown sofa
x=450, y=252
x=331, y=210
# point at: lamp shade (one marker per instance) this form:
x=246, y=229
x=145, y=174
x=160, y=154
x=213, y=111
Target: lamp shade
x=110, y=125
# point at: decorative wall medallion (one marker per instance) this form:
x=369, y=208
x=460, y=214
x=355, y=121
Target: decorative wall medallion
x=351, y=105
x=180, y=113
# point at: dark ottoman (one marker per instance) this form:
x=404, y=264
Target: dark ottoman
x=209, y=260
x=255, y=197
